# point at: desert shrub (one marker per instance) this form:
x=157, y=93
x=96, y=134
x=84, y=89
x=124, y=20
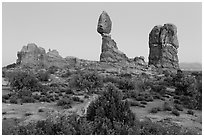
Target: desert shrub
x=166, y=107
x=140, y=98
x=6, y=96
x=134, y=103
x=86, y=96
x=178, y=107
x=155, y=110
x=158, y=89
x=110, y=105
x=60, y=94
x=69, y=91
x=149, y=99
x=13, y=100
x=126, y=84
x=77, y=99
x=149, y=128
x=64, y=102
x=27, y=99
x=43, y=75
x=19, y=80
x=143, y=102
x=86, y=80
x=142, y=106
x=52, y=69
x=24, y=92
x=67, y=74
x=175, y=112
x=44, y=99
x=110, y=78
x=156, y=96
x=3, y=100
x=176, y=101
x=190, y=112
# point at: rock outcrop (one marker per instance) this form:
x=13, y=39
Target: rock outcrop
x=54, y=59
x=31, y=55
x=36, y=57
x=163, y=44
x=110, y=52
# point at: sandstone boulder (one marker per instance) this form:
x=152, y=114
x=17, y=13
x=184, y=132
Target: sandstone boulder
x=104, y=24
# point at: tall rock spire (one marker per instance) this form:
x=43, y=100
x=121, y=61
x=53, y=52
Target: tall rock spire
x=163, y=44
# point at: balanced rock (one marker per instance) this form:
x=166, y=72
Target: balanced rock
x=110, y=52
x=163, y=44
x=104, y=24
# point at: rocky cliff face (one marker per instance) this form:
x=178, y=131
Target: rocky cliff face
x=110, y=52
x=163, y=44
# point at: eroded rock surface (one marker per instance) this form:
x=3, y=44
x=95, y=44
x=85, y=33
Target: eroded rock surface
x=163, y=44
x=110, y=52
x=104, y=23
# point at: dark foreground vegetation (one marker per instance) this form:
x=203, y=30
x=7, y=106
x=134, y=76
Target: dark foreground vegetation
x=110, y=113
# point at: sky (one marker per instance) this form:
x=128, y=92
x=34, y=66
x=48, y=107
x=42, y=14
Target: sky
x=71, y=28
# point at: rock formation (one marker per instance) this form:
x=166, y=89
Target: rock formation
x=163, y=44
x=31, y=55
x=104, y=23
x=54, y=59
x=110, y=52
x=34, y=56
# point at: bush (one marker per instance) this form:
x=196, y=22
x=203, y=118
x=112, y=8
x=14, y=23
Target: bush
x=52, y=69
x=175, y=112
x=77, y=99
x=190, y=112
x=19, y=80
x=64, y=102
x=27, y=99
x=149, y=99
x=110, y=105
x=86, y=80
x=177, y=101
x=43, y=75
x=140, y=98
x=166, y=107
x=3, y=100
x=67, y=74
x=69, y=91
x=126, y=84
x=155, y=110
x=178, y=107
x=44, y=99
x=158, y=89
x=6, y=96
x=143, y=102
x=13, y=100
x=134, y=103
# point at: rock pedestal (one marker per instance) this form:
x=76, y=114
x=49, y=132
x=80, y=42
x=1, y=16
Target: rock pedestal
x=163, y=44
x=110, y=52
